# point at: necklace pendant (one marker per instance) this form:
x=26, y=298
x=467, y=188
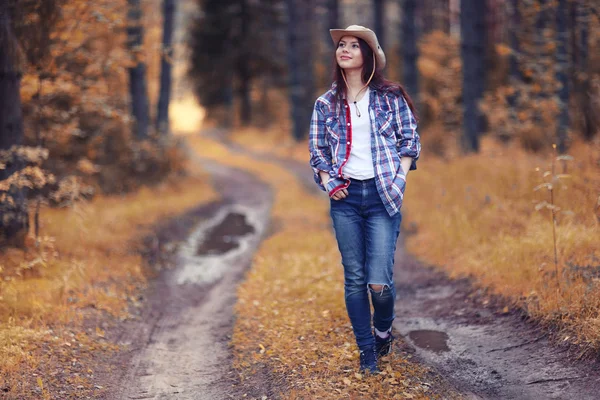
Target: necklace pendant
x=357, y=110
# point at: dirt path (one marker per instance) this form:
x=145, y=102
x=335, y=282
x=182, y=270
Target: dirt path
x=178, y=345
x=484, y=352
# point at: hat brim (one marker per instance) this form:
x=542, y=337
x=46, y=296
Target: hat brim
x=368, y=36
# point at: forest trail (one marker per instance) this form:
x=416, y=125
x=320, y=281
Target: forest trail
x=178, y=348
x=253, y=304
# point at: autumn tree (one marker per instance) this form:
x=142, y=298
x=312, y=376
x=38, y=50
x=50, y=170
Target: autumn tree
x=137, y=72
x=166, y=61
x=515, y=74
x=243, y=67
x=212, y=58
x=333, y=13
x=75, y=96
x=14, y=220
x=410, y=52
x=580, y=35
x=300, y=66
x=379, y=11
x=233, y=44
x=473, y=40
x=562, y=69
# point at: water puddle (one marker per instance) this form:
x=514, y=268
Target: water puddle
x=225, y=236
x=435, y=341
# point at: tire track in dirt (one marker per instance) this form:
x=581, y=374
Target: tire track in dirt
x=178, y=348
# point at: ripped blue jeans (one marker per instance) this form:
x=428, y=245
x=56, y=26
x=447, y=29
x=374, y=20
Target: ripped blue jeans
x=366, y=236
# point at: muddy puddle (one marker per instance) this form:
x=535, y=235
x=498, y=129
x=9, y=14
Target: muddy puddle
x=435, y=341
x=226, y=235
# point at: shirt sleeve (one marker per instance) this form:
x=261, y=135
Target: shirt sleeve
x=320, y=152
x=409, y=144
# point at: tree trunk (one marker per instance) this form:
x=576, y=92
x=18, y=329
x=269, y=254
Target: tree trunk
x=584, y=40
x=243, y=66
x=166, y=62
x=491, y=26
x=572, y=26
x=514, y=68
x=333, y=13
x=561, y=68
x=410, y=52
x=590, y=126
x=541, y=24
x=300, y=65
x=378, y=11
x=331, y=20
x=14, y=223
x=137, y=74
x=473, y=40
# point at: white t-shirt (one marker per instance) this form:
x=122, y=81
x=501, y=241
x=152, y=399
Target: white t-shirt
x=360, y=162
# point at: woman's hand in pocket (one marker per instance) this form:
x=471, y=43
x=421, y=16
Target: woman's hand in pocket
x=341, y=194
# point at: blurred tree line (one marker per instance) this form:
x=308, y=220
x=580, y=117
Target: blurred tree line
x=85, y=86
x=75, y=114
x=524, y=70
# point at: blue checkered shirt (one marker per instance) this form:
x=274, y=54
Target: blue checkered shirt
x=394, y=135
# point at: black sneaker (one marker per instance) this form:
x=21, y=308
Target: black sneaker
x=368, y=361
x=383, y=347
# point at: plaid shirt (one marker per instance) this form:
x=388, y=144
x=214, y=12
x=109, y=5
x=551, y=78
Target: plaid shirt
x=394, y=135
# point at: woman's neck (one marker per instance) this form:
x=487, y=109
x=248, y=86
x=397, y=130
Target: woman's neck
x=354, y=81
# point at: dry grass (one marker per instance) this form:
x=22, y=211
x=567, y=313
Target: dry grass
x=475, y=216
x=291, y=315
x=88, y=264
x=270, y=141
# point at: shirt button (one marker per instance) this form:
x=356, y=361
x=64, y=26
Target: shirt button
x=348, y=124
x=348, y=143
x=344, y=159
x=345, y=106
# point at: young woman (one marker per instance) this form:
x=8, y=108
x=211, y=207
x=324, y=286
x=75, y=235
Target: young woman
x=363, y=141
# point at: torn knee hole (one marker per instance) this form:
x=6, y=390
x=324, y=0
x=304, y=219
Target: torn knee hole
x=378, y=288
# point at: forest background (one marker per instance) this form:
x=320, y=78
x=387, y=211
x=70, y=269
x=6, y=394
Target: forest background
x=508, y=93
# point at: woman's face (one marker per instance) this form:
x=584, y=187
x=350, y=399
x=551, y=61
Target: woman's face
x=348, y=54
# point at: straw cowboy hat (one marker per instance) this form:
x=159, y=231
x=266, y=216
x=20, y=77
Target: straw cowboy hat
x=365, y=34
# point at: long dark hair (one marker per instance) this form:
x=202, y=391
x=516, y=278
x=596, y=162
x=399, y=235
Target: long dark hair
x=378, y=82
